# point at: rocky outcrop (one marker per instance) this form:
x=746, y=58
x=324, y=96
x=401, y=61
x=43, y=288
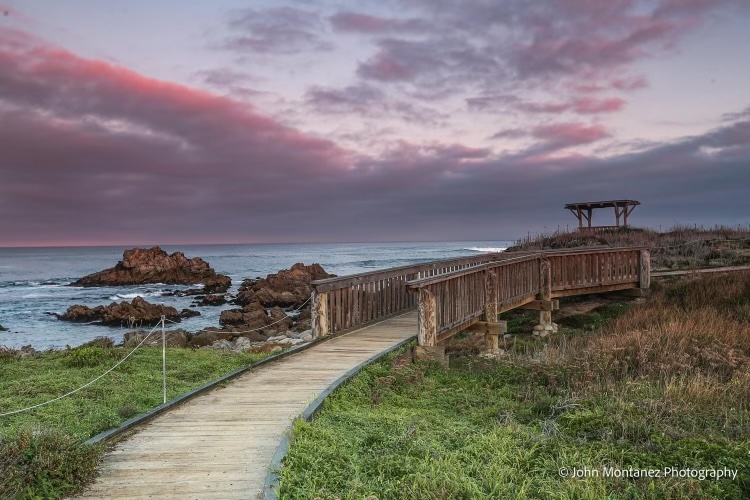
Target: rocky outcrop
x=3, y=329
x=139, y=312
x=212, y=300
x=287, y=288
x=142, y=266
x=173, y=338
x=188, y=313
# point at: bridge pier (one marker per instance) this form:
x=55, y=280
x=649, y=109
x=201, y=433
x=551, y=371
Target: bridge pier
x=319, y=314
x=545, y=326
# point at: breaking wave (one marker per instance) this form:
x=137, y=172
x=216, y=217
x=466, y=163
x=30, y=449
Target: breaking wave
x=485, y=249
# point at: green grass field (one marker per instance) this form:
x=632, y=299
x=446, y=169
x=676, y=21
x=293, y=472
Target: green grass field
x=41, y=455
x=655, y=385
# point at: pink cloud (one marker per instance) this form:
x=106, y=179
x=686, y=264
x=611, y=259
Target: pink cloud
x=580, y=105
x=570, y=133
x=384, y=67
x=353, y=22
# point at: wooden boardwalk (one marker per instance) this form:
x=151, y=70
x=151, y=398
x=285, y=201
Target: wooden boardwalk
x=219, y=445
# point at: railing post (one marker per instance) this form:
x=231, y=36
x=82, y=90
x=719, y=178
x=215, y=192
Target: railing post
x=491, y=341
x=545, y=326
x=427, y=335
x=645, y=270
x=319, y=314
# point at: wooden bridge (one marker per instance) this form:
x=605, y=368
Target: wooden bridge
x=220, y=444
x=468, y=293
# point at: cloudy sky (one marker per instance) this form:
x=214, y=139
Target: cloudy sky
x=300, y=121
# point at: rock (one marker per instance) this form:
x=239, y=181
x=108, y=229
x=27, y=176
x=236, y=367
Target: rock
x=296, y=341
x=213, y=300
x=252, y=316
x=287, y=288
x=302, y=326
x=3, y=329
x=276, y=338
x=222, y=344
x=139, y=312
x=242, y=344
x=27, y=352
x=307, y=338
x=174, y=338
x=140, y=266
x=276, y=350
x=208, y=337
x=188, y=313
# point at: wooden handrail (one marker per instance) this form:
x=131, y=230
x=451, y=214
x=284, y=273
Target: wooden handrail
x=457, y=289
x=415, y=284
x=328, y=284
x=451, y=302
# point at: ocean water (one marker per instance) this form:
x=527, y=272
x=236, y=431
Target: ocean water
x=33, y=280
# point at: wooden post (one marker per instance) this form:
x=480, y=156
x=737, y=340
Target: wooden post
x=545, y=326
x=491, y=341
x=645, y=269
x=427, y=333
x=319, y=314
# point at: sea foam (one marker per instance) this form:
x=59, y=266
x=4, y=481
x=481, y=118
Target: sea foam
x=486, y=249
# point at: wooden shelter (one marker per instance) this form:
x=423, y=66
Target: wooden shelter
x=584, y=211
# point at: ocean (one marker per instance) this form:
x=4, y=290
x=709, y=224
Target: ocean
x=33, y=280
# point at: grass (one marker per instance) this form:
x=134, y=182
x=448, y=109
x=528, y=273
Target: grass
x=41, y=455
x=679, y=247
x=665, y=383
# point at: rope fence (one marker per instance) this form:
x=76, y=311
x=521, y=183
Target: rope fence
x=162, y=324
x=88, y=383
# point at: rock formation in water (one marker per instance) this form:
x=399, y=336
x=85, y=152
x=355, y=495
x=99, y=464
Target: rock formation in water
x=287, y=288
x=143, y=266
x=136, y=313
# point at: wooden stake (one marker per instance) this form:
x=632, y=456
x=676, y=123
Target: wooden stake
x=645, y=269
x=319, y=314
x=427, y=333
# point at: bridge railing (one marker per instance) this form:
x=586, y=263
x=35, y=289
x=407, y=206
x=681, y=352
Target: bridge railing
x=600, y=270
x=453, y=301
x=347, y=302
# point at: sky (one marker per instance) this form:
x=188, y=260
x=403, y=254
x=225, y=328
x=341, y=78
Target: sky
x=159, y=122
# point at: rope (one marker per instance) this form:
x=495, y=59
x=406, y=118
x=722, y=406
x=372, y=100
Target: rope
x=264, y=327
x=85, y=385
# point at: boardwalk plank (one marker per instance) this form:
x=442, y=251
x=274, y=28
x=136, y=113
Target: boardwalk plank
x=219, y=445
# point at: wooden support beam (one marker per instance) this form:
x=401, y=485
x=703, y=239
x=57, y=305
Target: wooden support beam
x=427, y=332
x=644, y=273
x=594, y=289
x=497, y=328
x=539, y=305
x=545, y=296
x=632, y=292
x=319, y=314
x=490, y=309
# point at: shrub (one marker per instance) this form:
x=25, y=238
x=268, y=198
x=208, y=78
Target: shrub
x=44, y=464
x=87, y=356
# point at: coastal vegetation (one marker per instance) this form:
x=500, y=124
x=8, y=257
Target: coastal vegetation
x=656, y=384
x=41, y=451
x=679, y=247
